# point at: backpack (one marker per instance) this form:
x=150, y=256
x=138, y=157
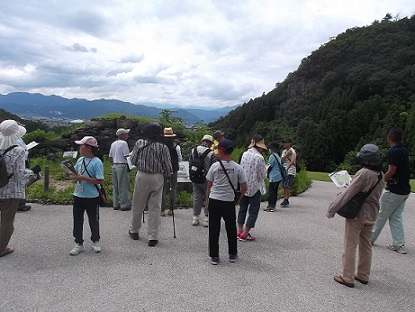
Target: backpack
x=4, y=175
x=297, y=164
x=197, y=172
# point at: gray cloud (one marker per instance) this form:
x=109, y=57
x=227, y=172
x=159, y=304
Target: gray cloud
x=187, y=52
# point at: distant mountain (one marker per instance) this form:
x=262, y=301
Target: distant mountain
x=32, y=106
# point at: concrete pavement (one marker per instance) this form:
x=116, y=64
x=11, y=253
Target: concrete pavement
x=289, y=268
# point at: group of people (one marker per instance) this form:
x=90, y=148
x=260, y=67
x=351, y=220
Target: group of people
x=379, y=207
x=226, y=183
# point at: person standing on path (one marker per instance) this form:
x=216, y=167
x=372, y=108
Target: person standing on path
x=222, y=200
x=288, y=158
x=199, y=189
x=152, y=159
x=392, y=202
x=120, y=173
x=170, y=183
x=14, y=190
x=90, y=173
x=358, y=231
x=253, y=164
x=275, y=176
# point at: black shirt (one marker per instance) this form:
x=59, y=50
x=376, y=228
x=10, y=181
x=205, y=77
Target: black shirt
x=399, y=182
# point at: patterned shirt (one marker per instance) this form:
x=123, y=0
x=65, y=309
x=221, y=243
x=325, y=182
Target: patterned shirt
x=15, y=164
x=253, y=164
x=151, y=157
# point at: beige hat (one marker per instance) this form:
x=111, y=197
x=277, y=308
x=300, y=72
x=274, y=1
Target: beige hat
x=258, y=143
x=207, y=137
x=168, y=133
x=88, y=140
x=122, y=131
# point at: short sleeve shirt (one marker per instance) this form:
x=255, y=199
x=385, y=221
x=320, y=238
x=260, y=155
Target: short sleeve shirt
x=291, y=170
x=221, y=188
x=96, y=170
x=399, y=183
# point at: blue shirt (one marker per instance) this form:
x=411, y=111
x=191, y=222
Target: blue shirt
x=275, y=173
x=96, y=170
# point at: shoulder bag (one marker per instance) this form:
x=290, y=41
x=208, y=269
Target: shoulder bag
x=103, y=201
x=237, y=192
x=352, y=208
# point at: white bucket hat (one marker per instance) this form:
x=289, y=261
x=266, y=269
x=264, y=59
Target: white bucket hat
x=9, y=133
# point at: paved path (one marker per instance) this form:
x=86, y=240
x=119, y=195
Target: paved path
x=289, y=268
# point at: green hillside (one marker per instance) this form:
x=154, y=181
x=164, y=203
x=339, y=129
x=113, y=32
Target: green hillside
x=347, y=93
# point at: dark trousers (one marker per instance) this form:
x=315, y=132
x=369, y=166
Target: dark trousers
x=91, y=206
x=221, y=209
x=273, y=193
x=250, y=206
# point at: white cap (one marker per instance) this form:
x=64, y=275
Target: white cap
x=122, y=131
x=88, y=140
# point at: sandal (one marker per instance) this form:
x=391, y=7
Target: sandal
x=7, y=251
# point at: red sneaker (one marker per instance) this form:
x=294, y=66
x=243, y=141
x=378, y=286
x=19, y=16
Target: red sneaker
x=244, y=238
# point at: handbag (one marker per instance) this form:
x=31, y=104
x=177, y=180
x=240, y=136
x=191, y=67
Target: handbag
x=237, y=192
x=102, y=194
x=353, y=206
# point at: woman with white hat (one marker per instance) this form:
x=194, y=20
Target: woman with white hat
x=14, y=159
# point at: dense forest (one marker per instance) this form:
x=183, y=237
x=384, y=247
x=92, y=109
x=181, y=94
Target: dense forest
x=347, y=93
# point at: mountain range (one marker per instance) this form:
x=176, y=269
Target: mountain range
x=38, y=106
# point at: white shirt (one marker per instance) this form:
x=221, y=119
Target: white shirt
x=118, y=151
x=253, y=164
x=291, y=170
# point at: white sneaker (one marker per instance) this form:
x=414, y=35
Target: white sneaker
x=205, y=221
x=400, y=249
x=96, y=247
x=195, y=221
x=77, y=250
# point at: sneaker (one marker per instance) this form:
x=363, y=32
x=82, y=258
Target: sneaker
x=96, y=247
x=163, y=213
x=169, y=213
x=244, y=238
x=214, y=260
x=233, y=258
x=205, y=221
x=401, y=249
x=238, y=234
x=195, y=221
x=77, y=250
x=285, y=203
x=266, y=208
x=271, y=209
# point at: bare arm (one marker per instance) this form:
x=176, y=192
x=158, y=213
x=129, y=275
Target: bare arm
x=389, y=174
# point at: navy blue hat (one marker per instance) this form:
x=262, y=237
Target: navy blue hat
x=226, y=146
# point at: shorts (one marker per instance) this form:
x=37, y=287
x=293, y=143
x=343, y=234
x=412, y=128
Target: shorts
x=287, y=183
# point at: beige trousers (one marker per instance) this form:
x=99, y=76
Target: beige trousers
x=148, y=188
x=357, y=233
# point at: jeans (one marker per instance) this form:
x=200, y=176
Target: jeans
x=357, y=233
x=273, y=193
x=91, y=206
x=253, y=203
x=199, y=198
x=120, y=186
x=222, y=209
x=391, y=208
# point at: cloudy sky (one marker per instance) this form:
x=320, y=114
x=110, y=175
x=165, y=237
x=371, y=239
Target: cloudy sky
x=189, y=53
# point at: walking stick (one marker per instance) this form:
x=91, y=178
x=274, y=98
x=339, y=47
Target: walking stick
x=171, y=207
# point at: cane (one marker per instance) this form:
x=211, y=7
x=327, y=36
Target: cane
x=172, y=208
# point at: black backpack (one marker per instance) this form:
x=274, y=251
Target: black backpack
x=197, y=172
x=4, y=175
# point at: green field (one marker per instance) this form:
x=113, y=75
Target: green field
x=324, y=176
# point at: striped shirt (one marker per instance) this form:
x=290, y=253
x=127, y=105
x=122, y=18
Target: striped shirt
x=151, y=157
